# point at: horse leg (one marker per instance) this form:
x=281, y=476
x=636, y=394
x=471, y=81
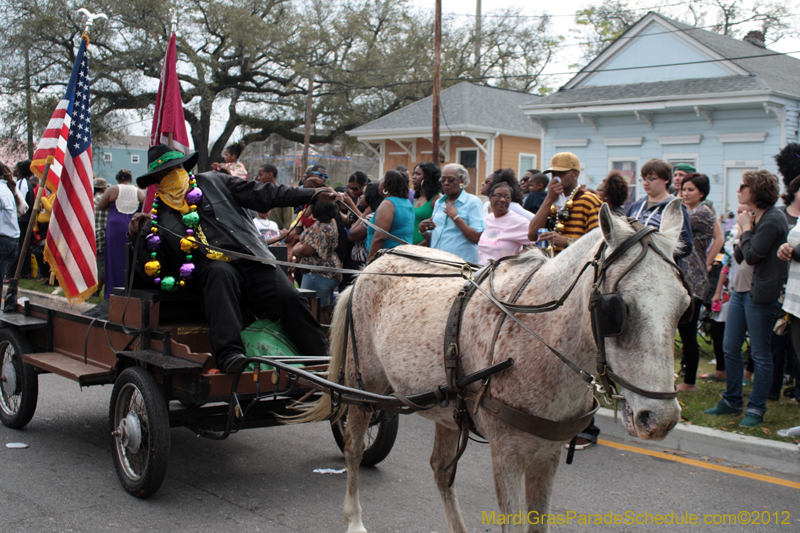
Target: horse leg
x=445, y=445
x=539, y=478
x=508, y=469
x=357, y=423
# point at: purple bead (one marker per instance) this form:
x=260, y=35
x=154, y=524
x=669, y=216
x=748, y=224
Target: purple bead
x=157, y=281
x=187, y=269
x=153, y=242
x=189, y=231
x=194, y=195
x=155, y=217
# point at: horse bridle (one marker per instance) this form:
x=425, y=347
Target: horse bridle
x=609, y=313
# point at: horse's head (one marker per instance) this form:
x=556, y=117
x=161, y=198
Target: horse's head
x=654, y=297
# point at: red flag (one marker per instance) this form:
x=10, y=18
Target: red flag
x=168, y=116
x=70, y=248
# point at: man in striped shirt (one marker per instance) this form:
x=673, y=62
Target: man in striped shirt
x=565, y=168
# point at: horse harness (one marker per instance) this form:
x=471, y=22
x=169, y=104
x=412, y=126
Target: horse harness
x=608, y=317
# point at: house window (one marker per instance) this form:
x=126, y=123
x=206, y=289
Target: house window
x=526, y=162
x=629, y=168
x=691, y=160
x=135, y=159
x=469, y=159
x=106, y=157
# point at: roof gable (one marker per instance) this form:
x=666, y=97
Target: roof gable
x=700, y=54
x=462, y=106
x=624, y=66
x=655, y=40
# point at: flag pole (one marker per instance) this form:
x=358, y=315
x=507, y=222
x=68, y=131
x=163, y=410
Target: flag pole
x=173, y=27
x=10, y=304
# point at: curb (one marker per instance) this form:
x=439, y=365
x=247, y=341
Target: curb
x=50, y=300
x=741, y=449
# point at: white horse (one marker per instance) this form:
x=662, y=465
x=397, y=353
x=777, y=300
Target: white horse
x=400, y=327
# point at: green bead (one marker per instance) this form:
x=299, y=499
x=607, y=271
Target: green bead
x=154, y=223
x=168, y=284
x=189, y=257
x=191, y=219
x=153, y=255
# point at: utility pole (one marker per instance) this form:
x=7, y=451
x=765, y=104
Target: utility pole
x=437, y=80
x=307, y=135
x=477, y=41
x=28, y=104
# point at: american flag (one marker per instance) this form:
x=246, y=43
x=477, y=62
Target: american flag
x=71, y=248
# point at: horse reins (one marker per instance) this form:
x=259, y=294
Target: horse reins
x=468, y=401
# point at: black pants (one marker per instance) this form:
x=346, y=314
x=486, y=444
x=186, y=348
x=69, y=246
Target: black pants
x=783, y=359
x=691, y=350
x=717, y=332
x=591, y=432
x=231, y=288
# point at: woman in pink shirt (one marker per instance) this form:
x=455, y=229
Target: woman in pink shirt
x=506, y=232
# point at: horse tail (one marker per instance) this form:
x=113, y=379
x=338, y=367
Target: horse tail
x=321, y=409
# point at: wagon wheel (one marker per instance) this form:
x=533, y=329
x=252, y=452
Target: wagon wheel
x=139, y=432
x=378, y=440
x=19, y=382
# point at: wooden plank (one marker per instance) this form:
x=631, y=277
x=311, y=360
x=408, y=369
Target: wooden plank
x=168, y=363
x=66, y=366
x=21, y=321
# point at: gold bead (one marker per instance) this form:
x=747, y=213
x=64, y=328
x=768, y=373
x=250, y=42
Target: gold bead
x=559, y=227
x=154, y=230
x=188, y=244
x=193, y=208
x=151, y=268
x=182, y=283
x=154, y=211
x=553, y=210
x=568, y=204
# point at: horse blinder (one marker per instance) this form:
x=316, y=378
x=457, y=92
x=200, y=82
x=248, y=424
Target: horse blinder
x=611, y=314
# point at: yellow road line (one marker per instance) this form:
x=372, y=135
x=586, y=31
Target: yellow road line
x=701, y=464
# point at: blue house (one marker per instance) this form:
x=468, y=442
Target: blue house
x=130, y=154
x=669, y=90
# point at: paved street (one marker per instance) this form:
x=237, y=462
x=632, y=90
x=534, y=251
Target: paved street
x=262, y=480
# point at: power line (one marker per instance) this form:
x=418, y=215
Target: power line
x=638, y=10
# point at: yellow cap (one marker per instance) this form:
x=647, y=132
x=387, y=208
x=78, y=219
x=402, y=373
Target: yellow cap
x=564, y=161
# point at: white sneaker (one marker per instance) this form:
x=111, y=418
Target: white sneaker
x=791, y=432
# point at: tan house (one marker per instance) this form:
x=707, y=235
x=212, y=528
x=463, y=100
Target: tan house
x=483, y=128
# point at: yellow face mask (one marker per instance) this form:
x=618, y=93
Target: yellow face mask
x=172, y=190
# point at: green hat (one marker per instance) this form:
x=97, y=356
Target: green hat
x=686, y=167
x=160, y=157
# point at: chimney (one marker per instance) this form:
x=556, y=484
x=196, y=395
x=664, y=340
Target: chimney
x=756, y=38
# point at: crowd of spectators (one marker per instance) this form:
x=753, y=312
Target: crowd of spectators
x=742, y=278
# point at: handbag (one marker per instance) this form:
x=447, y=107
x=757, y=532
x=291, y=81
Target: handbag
x=782, y=325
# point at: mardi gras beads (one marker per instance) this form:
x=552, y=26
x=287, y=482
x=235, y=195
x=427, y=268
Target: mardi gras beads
x=188, y=244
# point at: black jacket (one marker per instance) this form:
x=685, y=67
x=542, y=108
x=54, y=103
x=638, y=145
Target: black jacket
x=760, y=248
x=223, y=218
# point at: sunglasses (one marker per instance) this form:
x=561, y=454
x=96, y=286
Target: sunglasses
x=743, y=187
x=320, y=174
x=356, y=188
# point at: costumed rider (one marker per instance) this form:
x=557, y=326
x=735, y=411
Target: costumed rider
x=210, y=208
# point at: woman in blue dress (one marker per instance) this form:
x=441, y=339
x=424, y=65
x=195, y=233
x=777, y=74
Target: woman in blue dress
x=394, y=215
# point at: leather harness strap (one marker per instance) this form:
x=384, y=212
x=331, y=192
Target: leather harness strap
x=523, y=283
x=541, y=427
